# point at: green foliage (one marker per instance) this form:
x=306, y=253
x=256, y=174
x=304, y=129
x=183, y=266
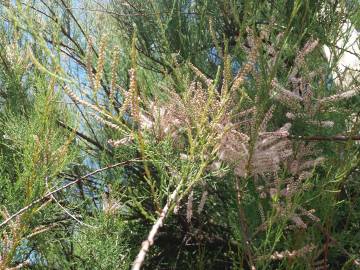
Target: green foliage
x=216, y=131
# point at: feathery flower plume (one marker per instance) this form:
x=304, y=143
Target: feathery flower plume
x=114, y=65
x=124, y=141
x=246, y=69
x=286, y=97
x=78, y=100
x=135, y=108
x=89, y=66
x=269, y=152
x=100, y=64
x=163, y=120
x=267, y=118
x=202, y=201
x=105, y=122
x=127, y=98
x=309, y=46
x=323, y=124
x=227, y=76
x=339, y=97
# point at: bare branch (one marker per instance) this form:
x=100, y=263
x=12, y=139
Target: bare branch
x=145, y=246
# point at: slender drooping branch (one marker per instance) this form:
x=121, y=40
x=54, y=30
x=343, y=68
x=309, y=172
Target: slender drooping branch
x=51, y=193
x=52, y=197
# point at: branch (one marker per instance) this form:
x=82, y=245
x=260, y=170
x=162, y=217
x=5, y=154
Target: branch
x=83, y=136
x=243, y=224
x=66, y=210
x=50, y=193
x=145, y=246
x=325, y=138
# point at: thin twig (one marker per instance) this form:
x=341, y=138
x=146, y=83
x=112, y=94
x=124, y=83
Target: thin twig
x=50, y=193
x=66, y=210
x=41, y=229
